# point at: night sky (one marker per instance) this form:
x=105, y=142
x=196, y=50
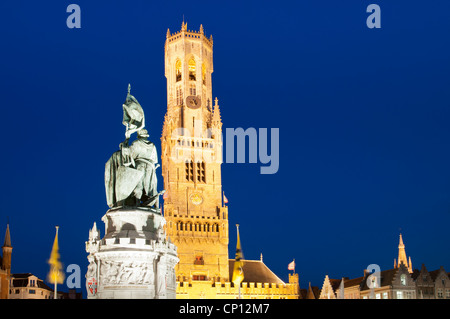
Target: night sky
x=363, y=116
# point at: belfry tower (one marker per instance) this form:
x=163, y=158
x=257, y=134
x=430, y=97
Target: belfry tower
x=191, y=152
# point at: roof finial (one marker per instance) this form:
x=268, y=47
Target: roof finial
x=201, y=29
x=129, y=88
x=183, y=25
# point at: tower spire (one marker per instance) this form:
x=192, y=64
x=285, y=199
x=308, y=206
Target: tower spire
x=7, y=251
x=402, y=256
x=7, y=242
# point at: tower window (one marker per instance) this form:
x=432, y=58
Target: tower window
x=191, y=66
x=179, y=96
x=199, y=261
x=201, y=172
x=192, y=90
x=189, y=168
x=204, y=74
x=178, y=70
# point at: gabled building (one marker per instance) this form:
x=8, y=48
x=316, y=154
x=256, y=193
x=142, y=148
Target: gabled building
x=441, y=283
x=29, y=286
x=395, y=283
x=424, y=283
x=329, y=288
x=351, y=287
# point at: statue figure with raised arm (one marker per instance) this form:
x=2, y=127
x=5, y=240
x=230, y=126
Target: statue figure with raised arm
x=130, y=178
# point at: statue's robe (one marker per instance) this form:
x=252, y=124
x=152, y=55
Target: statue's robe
x=145, y=157
x=138, y=179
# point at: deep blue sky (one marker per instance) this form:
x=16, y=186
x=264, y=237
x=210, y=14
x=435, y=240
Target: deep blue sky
x=364, y=119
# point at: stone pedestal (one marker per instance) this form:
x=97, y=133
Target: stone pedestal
x=133, y=260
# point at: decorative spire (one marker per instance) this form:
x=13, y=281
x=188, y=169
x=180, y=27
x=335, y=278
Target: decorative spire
x=7, y=242
x=261, y=257
x=183, y=25
x=168, y=33
x=216, y=113
x=402, y=256
x=201, y=29
x=93, y=233
x=310, y=293
x=401, y=245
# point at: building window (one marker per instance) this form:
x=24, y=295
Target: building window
x=204, y=74
x=192, y=90
x=191, y=66
x=199, y=277
x=403, y=280
x=385, y=295
x=399, y=295
x=179, y=96
x=199, y=260
x=178, y=70
x=201, y=172
x=32, y=291
x=189, y=168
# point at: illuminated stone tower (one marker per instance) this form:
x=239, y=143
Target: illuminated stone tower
x=191, y=152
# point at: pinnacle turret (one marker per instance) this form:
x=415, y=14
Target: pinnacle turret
x=7, y=242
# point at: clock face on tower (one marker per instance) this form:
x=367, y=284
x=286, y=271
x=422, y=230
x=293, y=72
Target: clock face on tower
x=196, y=198
x=193, y=102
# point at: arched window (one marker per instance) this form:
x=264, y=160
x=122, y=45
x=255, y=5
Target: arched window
x=191, y=66
x=203, y=73
x=403, y=279
x=178, y=70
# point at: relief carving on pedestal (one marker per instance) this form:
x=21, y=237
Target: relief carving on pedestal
x=126, y=273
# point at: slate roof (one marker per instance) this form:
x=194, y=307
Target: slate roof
x=436, y=272
x=21, y=280
x=386, y=276
x=312, y=292
x=256, y=271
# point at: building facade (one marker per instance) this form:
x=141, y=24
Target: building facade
x=29, y=286
x=431, y=285
x=191, y=158
x=401, y=282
